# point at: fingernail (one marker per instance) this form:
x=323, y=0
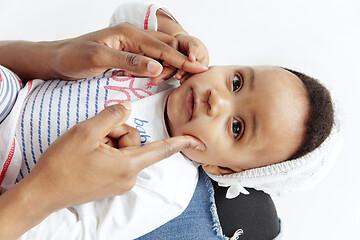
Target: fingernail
x=204, y=67
x=153, y=68
x=200, y=147
x=126, y=105
x=201, y=66
x=192, y=58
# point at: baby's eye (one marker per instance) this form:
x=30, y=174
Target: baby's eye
x=237, y=128
x=237, y=82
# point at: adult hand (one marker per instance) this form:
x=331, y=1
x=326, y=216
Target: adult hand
x=195, y=49
x=190, y=46
x=120, y=46
x=83, y=159
x=97, y=158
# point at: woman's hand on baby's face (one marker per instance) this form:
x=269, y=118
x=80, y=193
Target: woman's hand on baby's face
x=191, y=47
x=196, y=52
x=168, y=70
x=98, y=158
x=122, y=46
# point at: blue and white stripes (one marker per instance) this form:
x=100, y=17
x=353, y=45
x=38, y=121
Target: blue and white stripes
x=10, y=86
x=52, y=107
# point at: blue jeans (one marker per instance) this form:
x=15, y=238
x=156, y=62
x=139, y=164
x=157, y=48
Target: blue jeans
x=198, y=221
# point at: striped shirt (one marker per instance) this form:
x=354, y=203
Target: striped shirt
x=54, y=106
x=10, y=86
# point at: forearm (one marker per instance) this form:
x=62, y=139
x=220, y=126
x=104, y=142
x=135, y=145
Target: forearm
x=21, y=208
x=29, y=59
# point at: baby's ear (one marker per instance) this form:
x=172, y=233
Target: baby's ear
x=217, y=170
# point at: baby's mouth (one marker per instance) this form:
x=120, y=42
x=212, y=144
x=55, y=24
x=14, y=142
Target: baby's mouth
x=190, y=103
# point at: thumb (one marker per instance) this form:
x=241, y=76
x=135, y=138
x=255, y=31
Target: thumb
x=109, y=118
x=133, y=63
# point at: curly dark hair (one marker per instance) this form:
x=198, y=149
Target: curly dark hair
x=321, y=115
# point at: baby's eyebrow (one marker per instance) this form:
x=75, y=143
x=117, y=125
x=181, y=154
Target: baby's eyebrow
x=253, y=126
x=252, y=78
x=252, y=88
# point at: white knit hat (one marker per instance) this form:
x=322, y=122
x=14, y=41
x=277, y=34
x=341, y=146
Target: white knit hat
x=285, y=177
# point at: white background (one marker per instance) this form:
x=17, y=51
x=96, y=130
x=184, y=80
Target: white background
x=320, y=38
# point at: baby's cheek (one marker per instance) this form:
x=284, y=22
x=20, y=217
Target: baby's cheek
x=195, y=155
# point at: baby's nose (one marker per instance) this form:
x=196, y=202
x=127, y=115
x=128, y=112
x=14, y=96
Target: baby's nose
x=217, y=102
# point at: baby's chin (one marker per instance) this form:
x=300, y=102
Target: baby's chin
x=188, y=153
x=172, y=133
x=194, y=155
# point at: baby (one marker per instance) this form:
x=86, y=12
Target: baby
x=248, y=118
x=251, y=117
x=263, y=127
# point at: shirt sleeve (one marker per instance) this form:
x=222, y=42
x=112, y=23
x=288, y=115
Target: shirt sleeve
x=141, y=15
x=9, y=88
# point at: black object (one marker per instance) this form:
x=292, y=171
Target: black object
x=255, y=214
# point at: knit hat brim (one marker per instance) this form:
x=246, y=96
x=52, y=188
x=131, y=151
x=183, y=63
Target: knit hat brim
x=283, y=178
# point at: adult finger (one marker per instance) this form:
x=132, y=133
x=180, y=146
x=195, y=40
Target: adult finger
x=122, y=136
x=125, y=136
x=156, y=151
x=110, y=142
x=171, y=56
x=179, y=74
x=139, y=40
x=107, y=119
x=165, y=38
x=145, y=66
x=127, y=44
x=135, y=64
x=130, y=139
x=185, y=77
x=168, y=72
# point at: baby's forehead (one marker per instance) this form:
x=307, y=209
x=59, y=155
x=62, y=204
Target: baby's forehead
x=282, y=110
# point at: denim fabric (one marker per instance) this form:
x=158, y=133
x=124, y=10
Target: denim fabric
x=199, y=220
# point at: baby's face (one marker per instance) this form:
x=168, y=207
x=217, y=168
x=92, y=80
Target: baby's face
x=247, y=117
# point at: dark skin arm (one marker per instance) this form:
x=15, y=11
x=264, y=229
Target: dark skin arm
x=69, y=173
x=122, y=46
